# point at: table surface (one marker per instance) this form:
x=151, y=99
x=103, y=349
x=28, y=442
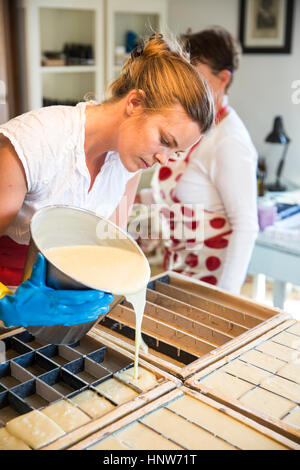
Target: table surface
x=267, y=239
x=276, y=256
x=291, y=247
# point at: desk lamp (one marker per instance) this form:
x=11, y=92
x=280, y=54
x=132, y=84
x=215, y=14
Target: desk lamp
x=278, y=136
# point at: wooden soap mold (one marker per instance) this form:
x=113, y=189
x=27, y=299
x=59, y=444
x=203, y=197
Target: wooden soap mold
x=42, y=385
x=166, y=399
x=277, y=425
x=238, y=321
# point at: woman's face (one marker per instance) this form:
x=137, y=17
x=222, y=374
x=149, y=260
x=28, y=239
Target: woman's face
x=145, y=139
x=212, y=79
x=217, y=82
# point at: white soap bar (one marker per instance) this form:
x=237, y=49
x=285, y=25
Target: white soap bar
x=9, y=442
x=34, y=428
x=145, y=380
x=92, y=404
x=66, y=415
x=116, y=391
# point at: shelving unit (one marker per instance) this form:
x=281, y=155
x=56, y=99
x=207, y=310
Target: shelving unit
x=48, y=25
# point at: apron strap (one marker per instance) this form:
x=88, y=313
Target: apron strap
x=220, y=113
x=191, y=150
x=12, y=261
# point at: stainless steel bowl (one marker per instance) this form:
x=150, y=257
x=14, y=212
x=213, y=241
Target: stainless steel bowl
x=56, y=226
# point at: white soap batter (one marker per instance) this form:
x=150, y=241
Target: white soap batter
x=110, y=269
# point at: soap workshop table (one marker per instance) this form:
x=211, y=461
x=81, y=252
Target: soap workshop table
x=278, y=259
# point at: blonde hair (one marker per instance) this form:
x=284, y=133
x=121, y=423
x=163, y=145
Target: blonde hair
x=163, y=72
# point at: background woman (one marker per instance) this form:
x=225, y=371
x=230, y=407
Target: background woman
x=218, y=172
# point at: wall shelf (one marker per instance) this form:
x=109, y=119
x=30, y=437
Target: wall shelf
x=68, y=69
x=48, y=25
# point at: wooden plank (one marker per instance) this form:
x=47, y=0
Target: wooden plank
x=235, y=354
x=184, y=323
x=110, y=417
x=188, y=325
x=221, y=297
x=204, y=361
x=164, y=401
x=165, y=363
x=233, y=345
x=129, y=344
x=241, y=318
x=261, y=427
x=195, y=383
x=95, y=437
x=214, y=321
x=163, y=332
x=11, y=333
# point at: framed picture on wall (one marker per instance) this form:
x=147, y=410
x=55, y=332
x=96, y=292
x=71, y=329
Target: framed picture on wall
x=266, y=26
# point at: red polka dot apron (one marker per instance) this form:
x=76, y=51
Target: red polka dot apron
x=12, y=261
x=200, y=257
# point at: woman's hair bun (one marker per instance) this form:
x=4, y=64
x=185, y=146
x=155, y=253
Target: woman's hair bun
x=158, y=45
x=160, y=67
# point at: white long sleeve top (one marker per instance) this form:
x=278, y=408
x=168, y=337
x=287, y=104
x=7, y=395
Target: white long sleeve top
x=221, y=174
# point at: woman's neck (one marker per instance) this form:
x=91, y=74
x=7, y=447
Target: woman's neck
x=221, y=101
x=221, y=104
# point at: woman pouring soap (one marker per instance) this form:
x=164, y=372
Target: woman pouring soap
x=90, y=156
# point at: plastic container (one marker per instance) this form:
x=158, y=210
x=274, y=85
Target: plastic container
x=267, y=215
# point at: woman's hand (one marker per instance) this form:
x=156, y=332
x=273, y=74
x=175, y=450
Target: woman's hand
x=36, y=304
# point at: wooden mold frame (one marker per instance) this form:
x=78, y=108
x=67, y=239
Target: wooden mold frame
x=263, y=373
x=33, y=390
x=186, y=407
x=188, y=324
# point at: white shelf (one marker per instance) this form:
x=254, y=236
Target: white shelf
x=68, y=68
x=48, y=25
x=130, y=15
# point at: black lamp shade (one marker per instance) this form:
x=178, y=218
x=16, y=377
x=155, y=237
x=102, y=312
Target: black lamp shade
x=278, y=135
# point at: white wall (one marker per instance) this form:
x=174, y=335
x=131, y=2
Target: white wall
x=263, y=84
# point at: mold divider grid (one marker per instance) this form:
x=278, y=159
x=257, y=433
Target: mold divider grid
x=36, y=393
x=217, y=314
x=164, y=401
x=11, y=400
x=94, y=353
x=195, y=382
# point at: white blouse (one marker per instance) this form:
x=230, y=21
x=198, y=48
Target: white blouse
x=50, y=144
x=221, y=174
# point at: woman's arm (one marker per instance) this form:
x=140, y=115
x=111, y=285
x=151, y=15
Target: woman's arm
x=121, y=214
x=13, y=186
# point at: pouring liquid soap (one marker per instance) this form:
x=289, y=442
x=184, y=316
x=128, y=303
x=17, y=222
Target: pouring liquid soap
x=110, y=269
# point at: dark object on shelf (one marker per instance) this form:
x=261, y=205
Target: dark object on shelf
x=78, y=54
x=278, y=136
x=51, y=102
x=287, y=210
x=53, y=58
x=261, y=174
x=131, y=40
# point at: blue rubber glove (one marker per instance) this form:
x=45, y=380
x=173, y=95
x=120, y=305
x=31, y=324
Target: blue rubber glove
x=36, y=304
